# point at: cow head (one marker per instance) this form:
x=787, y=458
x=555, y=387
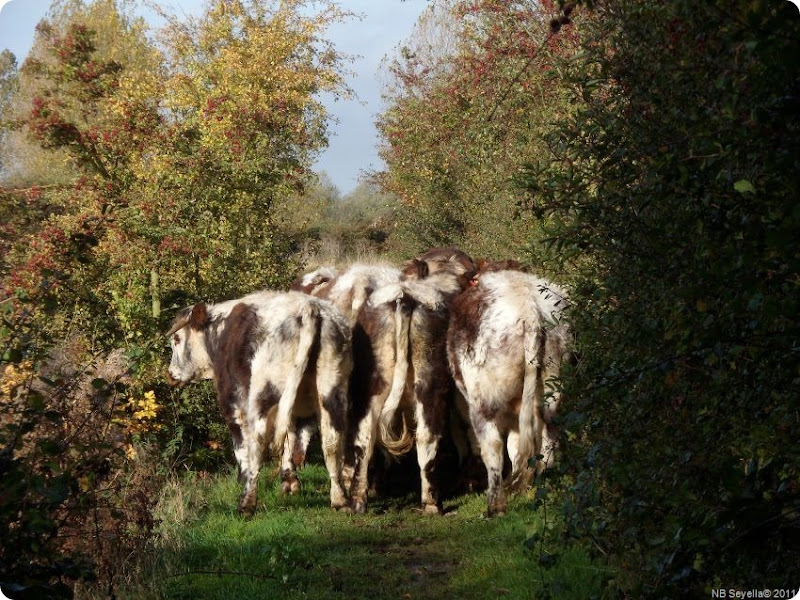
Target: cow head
x=414, y=269
x=314, y=282
x=451, y=259
x=449, y=262
x=190, y=359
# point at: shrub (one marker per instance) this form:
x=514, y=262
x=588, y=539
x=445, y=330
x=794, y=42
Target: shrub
x=672, y=200
x=77, y=491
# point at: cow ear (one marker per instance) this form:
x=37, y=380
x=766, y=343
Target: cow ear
x=320, y=278
x=199, y=317
x=422, y=268
x=415, y=269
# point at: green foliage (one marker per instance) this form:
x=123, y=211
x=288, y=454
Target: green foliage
x=181, y=157
x=175, y=159
x=8, y=77
x=359, y=224
x=73, y=504
x=671, y=196
x=470, y=97
x=8, y=83
x=335, y=229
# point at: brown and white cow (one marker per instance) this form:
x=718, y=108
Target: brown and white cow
x=399, y=357
x=374, y=358
x=276, y=355
x=506, y=337
x=410, y=317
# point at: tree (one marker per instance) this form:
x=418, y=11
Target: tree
x=8, y=83
x=359, y=224
x=181, y=156
x=342, y=229
x=461, y=123
x=243, y=88
x=671, y=196
x=178, y=159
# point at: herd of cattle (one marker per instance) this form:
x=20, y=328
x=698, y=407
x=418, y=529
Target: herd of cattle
x=378, y=357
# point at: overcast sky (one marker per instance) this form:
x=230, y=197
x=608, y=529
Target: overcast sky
x=353, y=139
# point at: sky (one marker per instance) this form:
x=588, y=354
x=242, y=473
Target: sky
x=352, y=148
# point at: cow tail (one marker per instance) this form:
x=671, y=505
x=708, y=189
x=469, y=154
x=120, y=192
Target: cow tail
x=401, y=445
x=361, y=292
x=530, y=416
x=309, y=324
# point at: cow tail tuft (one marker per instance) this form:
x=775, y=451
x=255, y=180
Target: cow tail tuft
x=530, y=417
x=395, y=445
x=309, y=325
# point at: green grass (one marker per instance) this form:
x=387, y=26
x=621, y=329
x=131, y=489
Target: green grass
x=299, y=548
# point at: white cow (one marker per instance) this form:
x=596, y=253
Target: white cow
x=506, y=337
x=273, y=356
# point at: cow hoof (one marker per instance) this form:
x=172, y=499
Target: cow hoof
x=359, y=507
x=345, y=508
x=496, y=511
x=247, y=505
x=431, y=509
x=290, y=484
x=290, y=488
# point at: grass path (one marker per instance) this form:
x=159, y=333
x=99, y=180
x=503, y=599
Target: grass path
x=299, y=548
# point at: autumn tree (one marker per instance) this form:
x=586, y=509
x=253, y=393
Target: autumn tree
x=177, y=157
x=243, y=88
x=181, y=154
x=8, y=84
x=469, y=97
x=358, y=225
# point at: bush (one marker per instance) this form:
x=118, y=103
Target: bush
x=672, y=200
x=77, y=491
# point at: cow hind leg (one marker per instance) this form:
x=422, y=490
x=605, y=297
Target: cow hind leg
x=332, y=410
x=295, y=450
x=290, y=484
x=242, y=436
x=333, y=453
x=305, y=433
x=255, y=443
x=364, y=446
x=242, y=461
x=549, y=430
x=255, y=450
x=427, y=446
x=491, y=442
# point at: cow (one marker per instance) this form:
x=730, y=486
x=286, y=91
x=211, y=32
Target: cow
x=507, y=335
x=373, y=342
x=399, y=357
x=348, y=289
x=275, y=357
x=406, y=322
